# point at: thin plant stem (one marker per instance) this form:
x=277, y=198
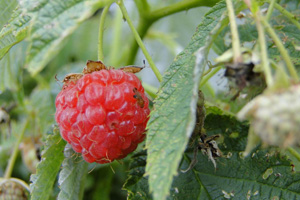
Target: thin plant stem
x=263, y=50
x=294, y=153
x=101, y=32
x=13, y=157
x=287, y=14
x=139, y=41
x=237, y=55
x=284, y=53
x=270, y=10
x=178, y=7
x=143, y=7
x=208, y=76
x=117, y=33
x=147, y=18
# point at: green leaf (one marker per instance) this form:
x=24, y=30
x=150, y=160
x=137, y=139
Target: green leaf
x=137, y=184
x=14, y=32
x=47, y=169
x=6, y=7
x=53, y=21
x=265, y=174
x=173, y=118
x=72, y=176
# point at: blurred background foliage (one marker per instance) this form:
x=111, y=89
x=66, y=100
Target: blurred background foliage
x=31, y=97
x=27, y=99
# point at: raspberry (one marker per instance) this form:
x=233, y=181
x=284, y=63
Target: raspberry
x=102, y=113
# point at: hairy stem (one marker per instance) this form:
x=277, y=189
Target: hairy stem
x=281, y=48
x=139, y=41
x=237, y=54
x=101, y=32
x=13, y=157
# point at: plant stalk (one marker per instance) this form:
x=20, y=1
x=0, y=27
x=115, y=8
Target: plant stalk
x=270, y=10
x=237, y=54
x=263, y=50
x=101, y=32
x=147, y=18
x=139, y=41
x=208, y=76
x=13, y=157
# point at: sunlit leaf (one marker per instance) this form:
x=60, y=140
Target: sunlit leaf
x=52, y=22
x=14, y=31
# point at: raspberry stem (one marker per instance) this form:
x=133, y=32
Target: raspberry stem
x=237, y=53
x=263, y=49
x=208, y=76
x=139, y=41
x=14, y=155
x=116, y=43
x=101, y=32
x=148, y=17
x=270, y=10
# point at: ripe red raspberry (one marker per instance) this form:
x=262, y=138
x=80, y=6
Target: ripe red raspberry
x=102, y=114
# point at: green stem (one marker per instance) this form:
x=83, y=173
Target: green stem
x=263, y=50
x=178, y=7
x=207, y=77
x=294, y=153
x=143, y=7
x=142, y=28
x=13, y=157
x=115, y=47
x=139, y=41
x=287, y=14
x=270, y=10
x=281, y=48
x=147, y=18
x=101, y=32
x=237, y=54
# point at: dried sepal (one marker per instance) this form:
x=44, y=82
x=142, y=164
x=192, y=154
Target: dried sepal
x=92, y=66
x=132, y=69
